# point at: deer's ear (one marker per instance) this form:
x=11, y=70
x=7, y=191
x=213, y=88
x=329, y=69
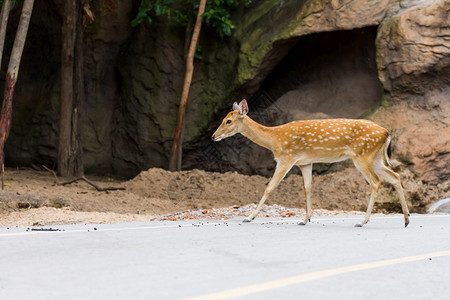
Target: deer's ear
x=243, y=107
x=236, y=106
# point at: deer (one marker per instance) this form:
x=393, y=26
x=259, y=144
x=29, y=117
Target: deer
x=305, y=142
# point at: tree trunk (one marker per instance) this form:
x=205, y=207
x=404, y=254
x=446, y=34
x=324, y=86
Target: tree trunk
x=6, y=7
x=77, y=149
x=11, y=75
x=69, y=163
x=175, y=155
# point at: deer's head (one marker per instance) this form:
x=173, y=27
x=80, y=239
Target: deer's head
x=231, y=124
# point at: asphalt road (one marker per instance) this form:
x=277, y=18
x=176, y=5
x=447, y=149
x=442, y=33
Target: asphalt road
x=265, y=259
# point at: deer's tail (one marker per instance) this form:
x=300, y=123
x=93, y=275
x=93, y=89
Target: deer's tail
x=388, y=150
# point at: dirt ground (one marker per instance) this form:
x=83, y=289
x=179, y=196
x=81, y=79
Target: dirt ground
x=32, y=198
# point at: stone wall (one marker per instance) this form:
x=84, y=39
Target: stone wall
x=414, y=67
x=383, y=59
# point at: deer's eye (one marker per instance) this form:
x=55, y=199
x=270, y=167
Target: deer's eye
x=228, y=122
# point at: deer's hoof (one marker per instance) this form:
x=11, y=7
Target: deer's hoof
x=302, y=223
x=247, y=220
x=358, y=225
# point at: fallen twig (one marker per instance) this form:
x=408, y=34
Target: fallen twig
x=100, y=189
x=54, y=174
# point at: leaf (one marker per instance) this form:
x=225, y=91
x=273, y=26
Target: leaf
x=159, y=9
x=145, y=6
x=227, y=30
x=140, y=18
x=180, y=18
x=198, y=53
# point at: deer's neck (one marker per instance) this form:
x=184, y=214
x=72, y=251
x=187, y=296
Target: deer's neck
x=257, y=133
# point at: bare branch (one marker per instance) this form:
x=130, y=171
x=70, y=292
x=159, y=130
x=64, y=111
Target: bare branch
x=83, y=178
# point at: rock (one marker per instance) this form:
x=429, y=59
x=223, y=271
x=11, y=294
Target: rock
x=442, y=206
x=414, y=49
x=413, y=57
x=387, y=60
x=262, y=49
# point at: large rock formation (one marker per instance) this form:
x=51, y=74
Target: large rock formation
x=388, y=60
x=414, y=67
x=412, y=47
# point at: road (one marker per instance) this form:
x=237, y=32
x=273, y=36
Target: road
x=265, y=259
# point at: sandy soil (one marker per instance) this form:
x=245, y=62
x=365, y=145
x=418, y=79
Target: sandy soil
x=32, y=197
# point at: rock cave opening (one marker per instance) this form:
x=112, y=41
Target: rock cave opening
x=324, y=75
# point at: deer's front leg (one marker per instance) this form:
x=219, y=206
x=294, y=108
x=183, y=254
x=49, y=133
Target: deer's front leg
x=280, y=172
x=307, y=179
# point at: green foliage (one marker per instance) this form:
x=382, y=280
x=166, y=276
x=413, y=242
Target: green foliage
x=160, y=7
x=217, y=13
x=198, y=53
x=13, y=3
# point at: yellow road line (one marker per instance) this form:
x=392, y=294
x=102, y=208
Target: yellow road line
x=280, y=283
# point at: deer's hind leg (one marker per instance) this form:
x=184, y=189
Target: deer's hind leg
x=372, y=178
x=393, y=178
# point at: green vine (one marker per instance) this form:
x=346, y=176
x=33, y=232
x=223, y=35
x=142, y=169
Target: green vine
x=217, y=13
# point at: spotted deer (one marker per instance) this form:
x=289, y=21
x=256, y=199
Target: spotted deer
x=303, y=143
